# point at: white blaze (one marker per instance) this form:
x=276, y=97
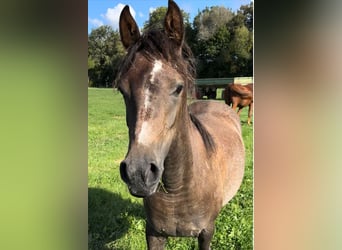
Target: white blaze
x=145, y=132
x=146, y=129
x=156, y=68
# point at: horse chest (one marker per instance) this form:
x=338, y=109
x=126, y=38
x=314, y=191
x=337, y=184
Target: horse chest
x=178, y=218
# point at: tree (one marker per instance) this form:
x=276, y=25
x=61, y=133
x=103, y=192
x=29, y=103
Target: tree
x=156, y=19
x=241, y=44
x=211, y=40
x=241, y=51
x=104, y=55
x=207, y=22
x=247, y=12
x=223, y=42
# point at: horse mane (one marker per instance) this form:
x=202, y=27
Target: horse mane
x=155, y=44
x=207, y=138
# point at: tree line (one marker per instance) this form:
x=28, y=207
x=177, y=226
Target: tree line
x=221, y=41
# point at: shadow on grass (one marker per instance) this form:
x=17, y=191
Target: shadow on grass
x=108, y=218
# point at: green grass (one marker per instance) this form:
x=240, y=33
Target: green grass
x=116, y=220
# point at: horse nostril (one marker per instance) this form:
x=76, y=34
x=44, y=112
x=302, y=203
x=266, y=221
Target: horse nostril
x=153, y=168
x=123, y=171
x=152, y=174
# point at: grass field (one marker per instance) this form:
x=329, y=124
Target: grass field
x=116, y=219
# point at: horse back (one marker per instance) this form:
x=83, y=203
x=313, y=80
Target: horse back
x=243, y=91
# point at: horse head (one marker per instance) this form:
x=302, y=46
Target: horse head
x=153, y=80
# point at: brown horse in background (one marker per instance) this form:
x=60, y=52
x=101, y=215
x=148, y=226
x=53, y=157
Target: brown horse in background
x=185, y=161
x=240, y=96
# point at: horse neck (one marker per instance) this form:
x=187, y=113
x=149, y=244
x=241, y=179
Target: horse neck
x=179, y=161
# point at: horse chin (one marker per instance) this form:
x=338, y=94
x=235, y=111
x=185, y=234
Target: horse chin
x=142, y=193
x=137, y=195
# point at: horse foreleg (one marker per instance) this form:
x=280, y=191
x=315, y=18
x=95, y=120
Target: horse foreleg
x=234, y=106
x=250, y=112
x=239, y=111
x=204, y=238
x=154, y=241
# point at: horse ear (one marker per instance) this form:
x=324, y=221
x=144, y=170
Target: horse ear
x=129, y=31
x=174, y=23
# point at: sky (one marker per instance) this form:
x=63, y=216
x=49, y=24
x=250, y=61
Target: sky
x=107, y=12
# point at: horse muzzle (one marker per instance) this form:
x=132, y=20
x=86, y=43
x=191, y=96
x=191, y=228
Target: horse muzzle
x=142, y=177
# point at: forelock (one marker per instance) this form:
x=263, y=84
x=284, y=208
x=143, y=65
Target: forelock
x=156, y=45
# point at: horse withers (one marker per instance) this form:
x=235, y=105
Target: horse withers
x=240, y=96
x=186, y=162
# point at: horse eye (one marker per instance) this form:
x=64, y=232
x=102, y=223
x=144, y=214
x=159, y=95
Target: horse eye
x=178, y=89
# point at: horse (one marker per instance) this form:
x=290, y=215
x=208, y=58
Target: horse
x=240, y=96
x=185, y=161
